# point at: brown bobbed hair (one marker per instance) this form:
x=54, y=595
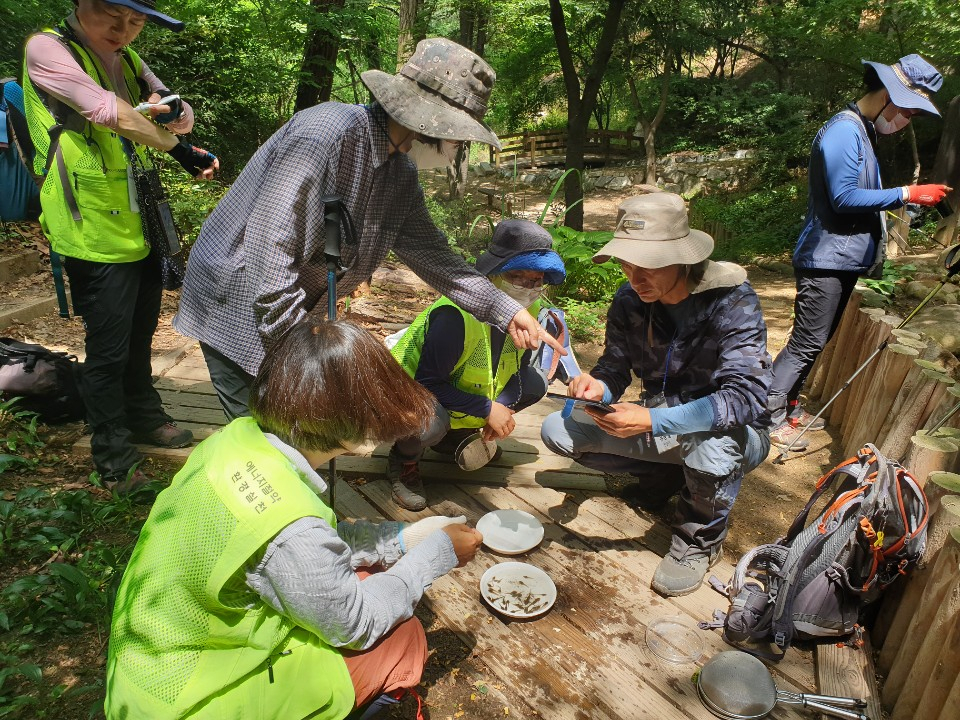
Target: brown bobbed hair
x=323, y=385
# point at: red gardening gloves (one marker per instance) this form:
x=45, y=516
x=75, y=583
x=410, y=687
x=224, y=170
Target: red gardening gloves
x=928, y=195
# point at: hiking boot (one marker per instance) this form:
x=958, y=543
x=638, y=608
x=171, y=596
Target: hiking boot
x=405, y=484
x=675, y=577
x=803, y=418
x=126, y=483
x=783, y=436
x=167, y=435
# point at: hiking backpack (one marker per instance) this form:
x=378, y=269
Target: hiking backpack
x=813, y=582
x=19, y=194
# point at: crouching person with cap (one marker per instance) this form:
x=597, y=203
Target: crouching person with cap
x=244, y=596
x=477, y=374
x=692, y=331
x=260, y=262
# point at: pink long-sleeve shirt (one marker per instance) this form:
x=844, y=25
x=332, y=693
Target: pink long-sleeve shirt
x=52, y=68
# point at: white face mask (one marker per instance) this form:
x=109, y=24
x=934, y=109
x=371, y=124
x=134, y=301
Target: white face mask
x=426, y=156
x=889, y=127
x=524, y=296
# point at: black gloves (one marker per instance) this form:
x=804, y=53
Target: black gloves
x=193, y=159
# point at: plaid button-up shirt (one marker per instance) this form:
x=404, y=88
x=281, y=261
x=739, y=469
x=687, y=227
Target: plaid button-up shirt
x=258, y=265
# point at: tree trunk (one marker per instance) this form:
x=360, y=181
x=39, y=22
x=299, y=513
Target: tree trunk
x=406, y=39
x=649, y=129
x=580, y=107
x=457, y=173
x=319, y=56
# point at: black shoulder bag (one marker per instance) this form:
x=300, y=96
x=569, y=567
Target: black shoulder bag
x=159, y=229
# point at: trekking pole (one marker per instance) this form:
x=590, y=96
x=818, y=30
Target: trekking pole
x=950, y=413
x=952, y=263
x=331, y=251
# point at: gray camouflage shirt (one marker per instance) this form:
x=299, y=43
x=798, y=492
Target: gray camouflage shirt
x=258, y=266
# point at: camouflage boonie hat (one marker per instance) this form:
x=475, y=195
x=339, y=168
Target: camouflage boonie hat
x=441, y=92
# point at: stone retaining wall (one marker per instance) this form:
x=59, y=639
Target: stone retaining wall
x=684, y=173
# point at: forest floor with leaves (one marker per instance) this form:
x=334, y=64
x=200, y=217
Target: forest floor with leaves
x=65, y=540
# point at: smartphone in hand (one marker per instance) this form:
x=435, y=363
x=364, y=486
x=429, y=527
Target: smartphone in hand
x=161, y=103
x=596, y=405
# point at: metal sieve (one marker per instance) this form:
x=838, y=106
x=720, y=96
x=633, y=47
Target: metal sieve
x=735, y=685
x=475, y=452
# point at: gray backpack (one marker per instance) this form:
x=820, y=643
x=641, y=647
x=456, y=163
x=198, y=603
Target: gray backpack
x=813, y=582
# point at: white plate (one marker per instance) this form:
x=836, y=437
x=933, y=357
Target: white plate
x=518, y=590
x=510, y=532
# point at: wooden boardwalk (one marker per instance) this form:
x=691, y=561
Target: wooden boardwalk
x=585, y=659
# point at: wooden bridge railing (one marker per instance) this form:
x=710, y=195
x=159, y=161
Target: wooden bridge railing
x=537, y=147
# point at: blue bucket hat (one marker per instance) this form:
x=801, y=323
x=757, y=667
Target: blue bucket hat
x=911, y=83
x=522, y=245
x=149, y=8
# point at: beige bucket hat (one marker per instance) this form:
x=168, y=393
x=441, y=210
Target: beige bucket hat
x=442, y=92
x=653, y=232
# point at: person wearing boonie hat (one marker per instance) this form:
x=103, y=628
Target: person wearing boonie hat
x=692, y=331
x=476, y=372
x=844, y=235
x=82, y=84
x=258, y=265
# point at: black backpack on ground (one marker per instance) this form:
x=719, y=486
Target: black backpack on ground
x=813, y=582
x=44, y=380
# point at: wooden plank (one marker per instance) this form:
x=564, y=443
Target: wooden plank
x=848, y=672
x=589, y=584
x=515, y=454
x=187, y=398
x=196, y=415
x=607, y=680
x=490, y=475
x=186, y=372
x=201, y=386
x=612, y=527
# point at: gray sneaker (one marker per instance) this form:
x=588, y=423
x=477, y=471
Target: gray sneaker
x=407, y=488
x=683, y=576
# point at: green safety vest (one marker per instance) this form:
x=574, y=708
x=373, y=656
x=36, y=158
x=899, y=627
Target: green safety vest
x=189, y=637
x=108, y=229
x=473, y=372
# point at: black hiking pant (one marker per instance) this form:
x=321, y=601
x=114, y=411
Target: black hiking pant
x=821, y=298
x=120, y=306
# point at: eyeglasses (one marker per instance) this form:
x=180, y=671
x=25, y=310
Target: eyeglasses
x=524, y=282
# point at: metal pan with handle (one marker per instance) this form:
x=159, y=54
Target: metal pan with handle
x=735, y=685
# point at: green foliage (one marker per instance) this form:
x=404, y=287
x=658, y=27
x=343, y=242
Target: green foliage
x=587, y=320
x=190, y=200
x=891, y=276
x=70, y=549
x=453, y=218
x=756, y=116
x=586, y=280
x=763, y=222
x=18, y=430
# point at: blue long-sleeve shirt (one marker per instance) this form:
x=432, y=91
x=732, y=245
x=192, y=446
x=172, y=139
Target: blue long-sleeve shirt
x=844, y=226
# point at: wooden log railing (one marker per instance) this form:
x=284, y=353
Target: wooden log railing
x=537, y=147
x=894, y=404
